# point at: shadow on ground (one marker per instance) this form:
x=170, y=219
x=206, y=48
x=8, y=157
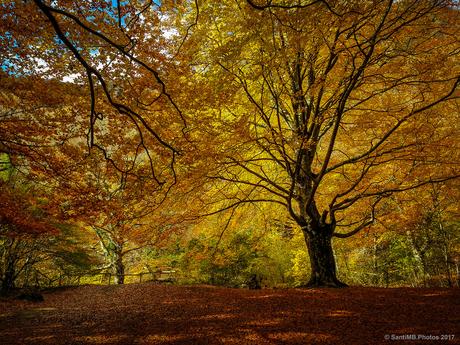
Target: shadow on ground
x=156, y=314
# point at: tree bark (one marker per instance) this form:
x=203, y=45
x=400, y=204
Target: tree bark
x=8, y=279
x=322, y=260
x=9, y=271
x=119, y=269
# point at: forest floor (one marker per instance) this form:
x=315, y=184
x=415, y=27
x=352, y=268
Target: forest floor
x=166, y=314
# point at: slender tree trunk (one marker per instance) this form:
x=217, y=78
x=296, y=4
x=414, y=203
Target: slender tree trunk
x=9, y=272
x=457, y=271
x=419, y=254
x=8, y=279
x=375, y=264
x=446, y=252
x=424, y=266
x=322, y=260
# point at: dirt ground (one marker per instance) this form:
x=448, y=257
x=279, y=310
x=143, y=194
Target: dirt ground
x=162, y=314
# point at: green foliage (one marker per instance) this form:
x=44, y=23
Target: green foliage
x=233, y=263
x=270, y=255
x=229, y=263
x=424, y=255
x=6, y=168
x=300, y=267
x=71, y=250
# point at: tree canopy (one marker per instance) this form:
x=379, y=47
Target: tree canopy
x=143, y=120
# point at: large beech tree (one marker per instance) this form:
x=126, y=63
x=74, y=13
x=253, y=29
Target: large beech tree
x=332, y=107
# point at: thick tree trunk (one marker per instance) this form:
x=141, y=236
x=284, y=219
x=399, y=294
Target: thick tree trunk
x=119, y=269
x=322, y=260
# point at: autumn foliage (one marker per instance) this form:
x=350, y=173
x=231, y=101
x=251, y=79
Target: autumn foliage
x=314, y=143
x=18, y=217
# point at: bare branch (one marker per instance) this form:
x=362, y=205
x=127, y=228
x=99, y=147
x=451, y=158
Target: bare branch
x=363, y=225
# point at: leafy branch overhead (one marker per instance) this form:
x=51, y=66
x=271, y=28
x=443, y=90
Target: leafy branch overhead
x=100, y=48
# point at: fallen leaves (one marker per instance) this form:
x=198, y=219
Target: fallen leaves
x=165, y=314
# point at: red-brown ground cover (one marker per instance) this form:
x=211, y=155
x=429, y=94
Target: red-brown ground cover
x=160, y=314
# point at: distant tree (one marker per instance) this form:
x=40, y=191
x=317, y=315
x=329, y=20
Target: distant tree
x=126, y=212
x=23, y=227
x=433, y=236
